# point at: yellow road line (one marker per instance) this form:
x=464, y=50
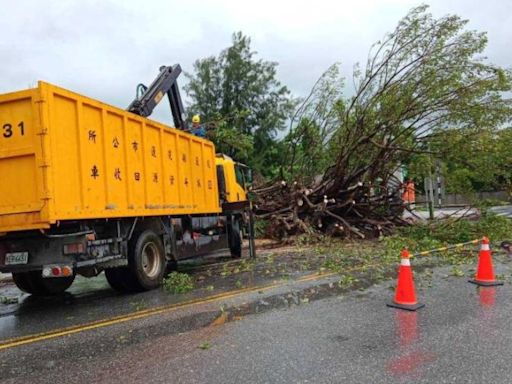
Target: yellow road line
x=316, y=276
x=29, y=339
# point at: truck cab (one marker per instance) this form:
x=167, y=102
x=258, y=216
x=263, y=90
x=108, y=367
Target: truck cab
x=234, y=179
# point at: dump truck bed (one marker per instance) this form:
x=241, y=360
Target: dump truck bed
x=64, y=156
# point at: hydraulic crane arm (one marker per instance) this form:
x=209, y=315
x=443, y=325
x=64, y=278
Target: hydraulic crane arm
x=148, y=97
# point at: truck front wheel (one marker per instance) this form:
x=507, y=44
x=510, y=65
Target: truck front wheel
x=32, y=282
x=235, y=238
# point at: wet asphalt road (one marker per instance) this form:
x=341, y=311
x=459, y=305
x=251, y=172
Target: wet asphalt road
x=92, y=299
x=463, y=335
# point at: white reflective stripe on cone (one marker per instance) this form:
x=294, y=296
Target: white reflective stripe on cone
x=485, y=247
x=405, y=262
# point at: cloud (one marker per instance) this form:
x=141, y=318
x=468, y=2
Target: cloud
x=104, y=48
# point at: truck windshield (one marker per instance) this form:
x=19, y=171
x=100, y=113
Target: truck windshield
x=243, y=175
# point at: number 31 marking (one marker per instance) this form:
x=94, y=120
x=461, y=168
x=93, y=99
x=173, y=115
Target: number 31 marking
x=8, y=129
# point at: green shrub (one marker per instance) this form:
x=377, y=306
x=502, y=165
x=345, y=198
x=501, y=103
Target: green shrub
x=260, y=228
x=177, y=282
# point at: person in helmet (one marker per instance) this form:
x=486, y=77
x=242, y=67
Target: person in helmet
x=197, y=128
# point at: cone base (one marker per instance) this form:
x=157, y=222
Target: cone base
x=407, y=307
x=485, y=283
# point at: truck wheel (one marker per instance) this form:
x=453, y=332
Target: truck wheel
x=235, y=239
x=55, y=285
x=21, y=279
x=146, y=261
x=117, y=278
x=32, y=282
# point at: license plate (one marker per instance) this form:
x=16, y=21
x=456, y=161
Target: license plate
x=16, y=258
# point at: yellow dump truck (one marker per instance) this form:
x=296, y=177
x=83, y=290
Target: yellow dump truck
x=87, y=187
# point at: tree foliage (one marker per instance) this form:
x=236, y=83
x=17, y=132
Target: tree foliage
x=427, y=75
x=473, y=160
x=313, y=124
x=242, y=102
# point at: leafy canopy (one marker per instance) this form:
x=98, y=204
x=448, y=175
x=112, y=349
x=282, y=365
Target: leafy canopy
x=426, y=75
x=242, y=102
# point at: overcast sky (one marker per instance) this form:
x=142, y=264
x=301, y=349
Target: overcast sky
x=104, y=48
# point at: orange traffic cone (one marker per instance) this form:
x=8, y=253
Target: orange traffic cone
x=405, y=295
x=485, y=271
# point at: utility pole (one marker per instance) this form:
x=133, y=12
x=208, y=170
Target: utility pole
x=438, y=184
x=429, y=187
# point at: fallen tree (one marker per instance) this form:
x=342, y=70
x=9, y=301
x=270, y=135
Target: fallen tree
x=341, y=154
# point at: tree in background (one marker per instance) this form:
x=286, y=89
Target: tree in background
x=473, y=160
x=240, y=99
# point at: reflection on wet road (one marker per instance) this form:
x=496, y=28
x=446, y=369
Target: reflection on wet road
x=411, y=355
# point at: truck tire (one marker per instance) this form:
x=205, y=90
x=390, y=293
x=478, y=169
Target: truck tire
x=117, y=278
x=235, y=239
x=21, y=279
x=32, y=282
x=54, y=286
x=146, y=262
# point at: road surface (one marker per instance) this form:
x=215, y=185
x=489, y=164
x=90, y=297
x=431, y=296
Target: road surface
x=455, y=212
x=503, y=210
x=463, y=335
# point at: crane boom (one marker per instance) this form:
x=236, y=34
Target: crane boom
x=165, y=83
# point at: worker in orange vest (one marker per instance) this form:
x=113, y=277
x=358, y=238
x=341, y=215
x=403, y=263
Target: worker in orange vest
x=409, y=194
